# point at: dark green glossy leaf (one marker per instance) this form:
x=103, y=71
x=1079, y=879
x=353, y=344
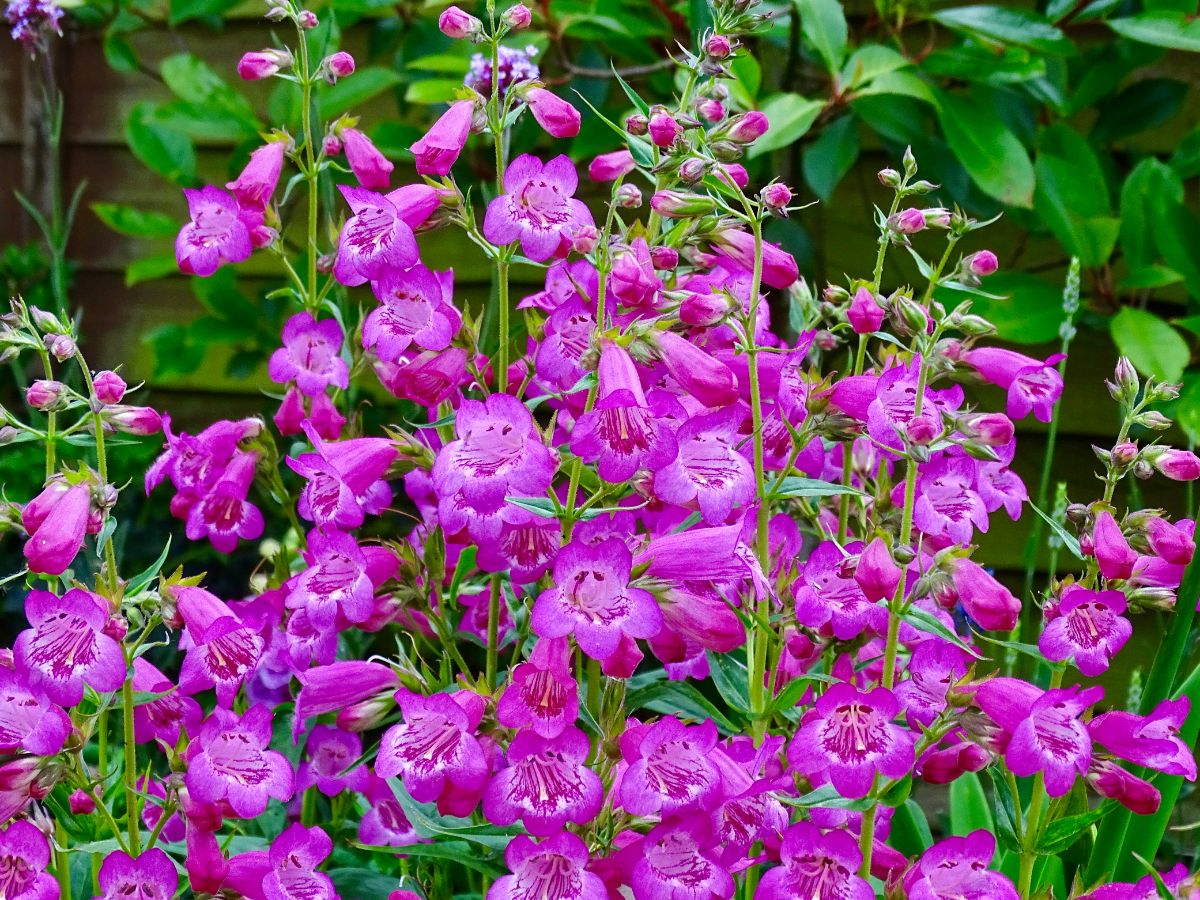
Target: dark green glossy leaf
x=1152, y=345
x=1006, y=25
x=996, y=160
x=1176, y=29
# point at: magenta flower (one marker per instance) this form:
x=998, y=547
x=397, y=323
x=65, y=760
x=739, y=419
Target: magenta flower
x=56, y=521
x=827, y=596
x=537, y=207
x=948, y=506
x=1171, y=543
x=1109, y=780
x=195, y=463
x=439, y=148
x=24, y=856
x=849, y=738
x=679, y=862
x=223, y=514
x=229, y=760
x=670, y=767
x=219, y=232
x=1152, y=741
x=67, y=648
x=428, y=378
x=815, y=865
x=877, y=573
x=435, y=748
x=223, y=650
x=372, y=169
x=620, y=433
x=1047, y=735
x=703, y=377
x=958, y=867
x=526, y=546
x=990, y=604
x=542, y=694
x=343, y=686
x=558, y=362
x=555, y=869
x=864, y=313
x=345, y=479
x=294, y=857
x=708, y=472
x=1032, y=386
x=151, y=876
x=632, y=279
x=557, y=117
x=611, y=166
x=384, y=823
x=379, y=234
x=1088, y=627
x=779, y=267
x=28, y=720
x=163, y=718
x=593, y=600
x=256, y=183
x=1113, y=553
x=414, y=308
x=546, y=785
x=340, y=579
x=934, y=666
x=892, y=410
x=310, y=355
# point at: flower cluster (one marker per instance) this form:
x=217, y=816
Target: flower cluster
x=655, y=596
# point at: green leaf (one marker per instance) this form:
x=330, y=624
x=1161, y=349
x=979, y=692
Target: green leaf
x=348, y=93
x=1071, y=196
x=831, y=156
x=1143, y=106
x=362, y=884
x=161, y=148
x=824, y=26
x=143, y=578
x=1162, y=28
x=791, y=116
x=426, y=821
x=869, y=62
x=1004, y=810
x=1007, y=25
x=638, y=102
x=992, y=155
x=432, y=90
x=826, y=797
x=679, y=698
x=1069, y=540
x=910, y=829
x=452, y=851
x=181, y=11
x=444, y=63
x=148, y=268
x=1062, y=833
x=135, y=222
x=1177, y=234
x=897, y=792
x=1152, y=345
x=539, y=506
x=793, y=691
x=729, y=676
x=1029, y=313
x=1149, y=187
x=794, y=486
x=969, y=808
x=927, y=622
x=193, y=80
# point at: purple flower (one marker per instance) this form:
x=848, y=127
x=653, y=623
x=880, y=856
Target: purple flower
x=990, y=604
x=151, y=876
x=815, y=865
x=947, y=505
x=621, y=433
x=1114, y=556
x=999, y=486
x=1047, y=735
x=414, y=308
x=56, y=521
x=344, y=687
x=1152, y=741
x=28, y=720
x=1108, y=779
x=24, y=856
x=632, y=279
x=877, y=573
x=310, y=355
x=556, y=116
x=670, y=767
x=218, y=233
x=546, y=785
x=332, y=762
x=294, y=857
x=427, y=378
x=229, y=760
x=849, y=738
x=67, y=648
x=934, y=666
x=340, y=579
x=568, y=335
x=1088, y=626
x=592, y=599
x=893, y=407
x=708, y=471
x=32, y=22
x=379, y=234
x=372, y=169
x=384, y=823
x=703, y=377
x=345, y=479
x=958, y=867
x=223, y=514
x=679, y=862
x=195, y=463
x=165, y=717
x=542, y=694
x=256, y=183
x=435, y=748
x=526, y=546
x=515, y=66
x=438, y=149
x=828, y=596
x=537, y=207
x=1032, y=386
x=555, y=869
x=223, y=651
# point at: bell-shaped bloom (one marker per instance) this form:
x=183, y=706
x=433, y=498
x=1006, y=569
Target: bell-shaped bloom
x=1088, y=627
x=428, y=378
x=1109, y=780
x=194, y=463
x=439, y=148
x=679, y=862
x=947, y=505
x=708, y=471
x=813, y=864
x=526, y=546
x=593, y=600
x=864, y=313
x=257, y=182
x=28, y=720
x=568, y=335
x=294, y=858
x=1047, y=734
x=1152, y=741
x=384, y=824
x=229, y=761
x=877, y=573
x=1143, y=889
x=611, y=166
x=1032, y=386
x=24, y=857
x=435, y=748
x=310, y=355
x=632, y=279
x=224, y=650
x=827, y=596
x=331, y=762
x=67, y=646
x=343, y=686
x=218, y=233
x=546, y=785
x=989, y=603
x=223, y=514
x=1113, y=553
x=702, y=376
x=414, y=308
x=56, y=521
x=958, y=867
x=779, y=268
x=620, y=433
x=151, y=875
x=892, y=412
x=166, y=716
x=341, y=579
x=537, y=208
x=345, y=479
x=1178, y=465
x=379, y=234
x=542, y=693
x=555, y=869
x=933, y=667
x=670, y=767
x=557, y=117
x=372, y=169
x=849, y=738
x=1169, y=542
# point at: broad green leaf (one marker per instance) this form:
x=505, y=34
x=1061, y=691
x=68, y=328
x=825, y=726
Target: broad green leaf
x=729, y=676
x=1162, y=28
x=679, y=698
x=362, y=884
x=992, y=155
x=969, y=807
x=1004, y=811
x=1029, y=313
x=930, y=624
x=1071, y=196
x=1143, y=106
x=824, y=26
x=1149, y=187
x=903, y=84
x=194, y=81
x=135, y=222
x=162, y=149
x=869, y=62
x=1007, y=25
x=826, y=797
x=791, y=116
x=148, y=268
x=348, y=93
x=979, y=63
x=1177, y=234
x=1152, y=345
x=432, y=90
x=186, y=10
x=1062, y=833
x=831, y=156
x=910, y=833
x=445, y=63
x=796, y=486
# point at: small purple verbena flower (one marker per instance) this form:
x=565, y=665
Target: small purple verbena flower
x=546, y=785
x=152, y=876
x=708, y=470
x=24, y=857
x=414, y=308
x=67, y=648
x=815, y=865
x=222, y=650
x=555, y=869
x=28, y=720
x=670, y=769
x=1152, y=741
x=515, y=66
x=229, y=760
x=958, y=867
x=537, y=208
x=379, y=234
x=542, y=693
x=592, y=599
x=1088, y=627
x=310, y=355
x=435, y=747
x=330, y=762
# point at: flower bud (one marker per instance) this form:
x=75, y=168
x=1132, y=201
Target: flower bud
x=260, y=64
x=1178, y=465
x=307, y=19
x=990, y=429
x=664, y=257
x=331, y=145
x=710, y=109
x=865, y=314
x=747, y=127
x=139, y=420
x=1126, y=380
x=718, y=46
x=454, y=23
x=664, y=129
x=584, y=239
x=923, y=430
x=983, y=263
x=110, y=387
x=637, y=124
x=61, y=346
x=727, y=151
x=826, y=340
x=1152, y=419
x=776, y=196
x=517, y=17
x=691, y=170
x=680, y=205
x=628, y=196
x=907, y=221
x=81, y=803
x=889, y=178
x=611, y=166
x=46, y=395
x=936, y=217
x=910, y=162
x=339, y=65
x=1142, y=470
x=705, y=310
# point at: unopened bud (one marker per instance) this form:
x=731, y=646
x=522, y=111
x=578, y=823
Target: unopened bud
x=584, y=239
x=628, y=196
x=307, y=19
x=339, y=65
x=61, y=346
x=517, y=17
x=680, y=205
x=776, y=196
x=889, y=178
x=691, y=170
x=457, y=24
x=1123, y=454
x=718, y=46
x=1153, y=420
x=712, y=110
x=665, y=258
x=46, y=395
x=907, y=221
x=637, y=124
x=983, y=263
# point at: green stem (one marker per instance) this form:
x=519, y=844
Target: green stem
x=1032, y=828
x=866, y=839
x=593, y=688
x=51, y=418
x=885, y=240
x=310, y=171
x=62, y=860
x=131, y=797
x=848, y=455
x=110, y=557
x=493, y=631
